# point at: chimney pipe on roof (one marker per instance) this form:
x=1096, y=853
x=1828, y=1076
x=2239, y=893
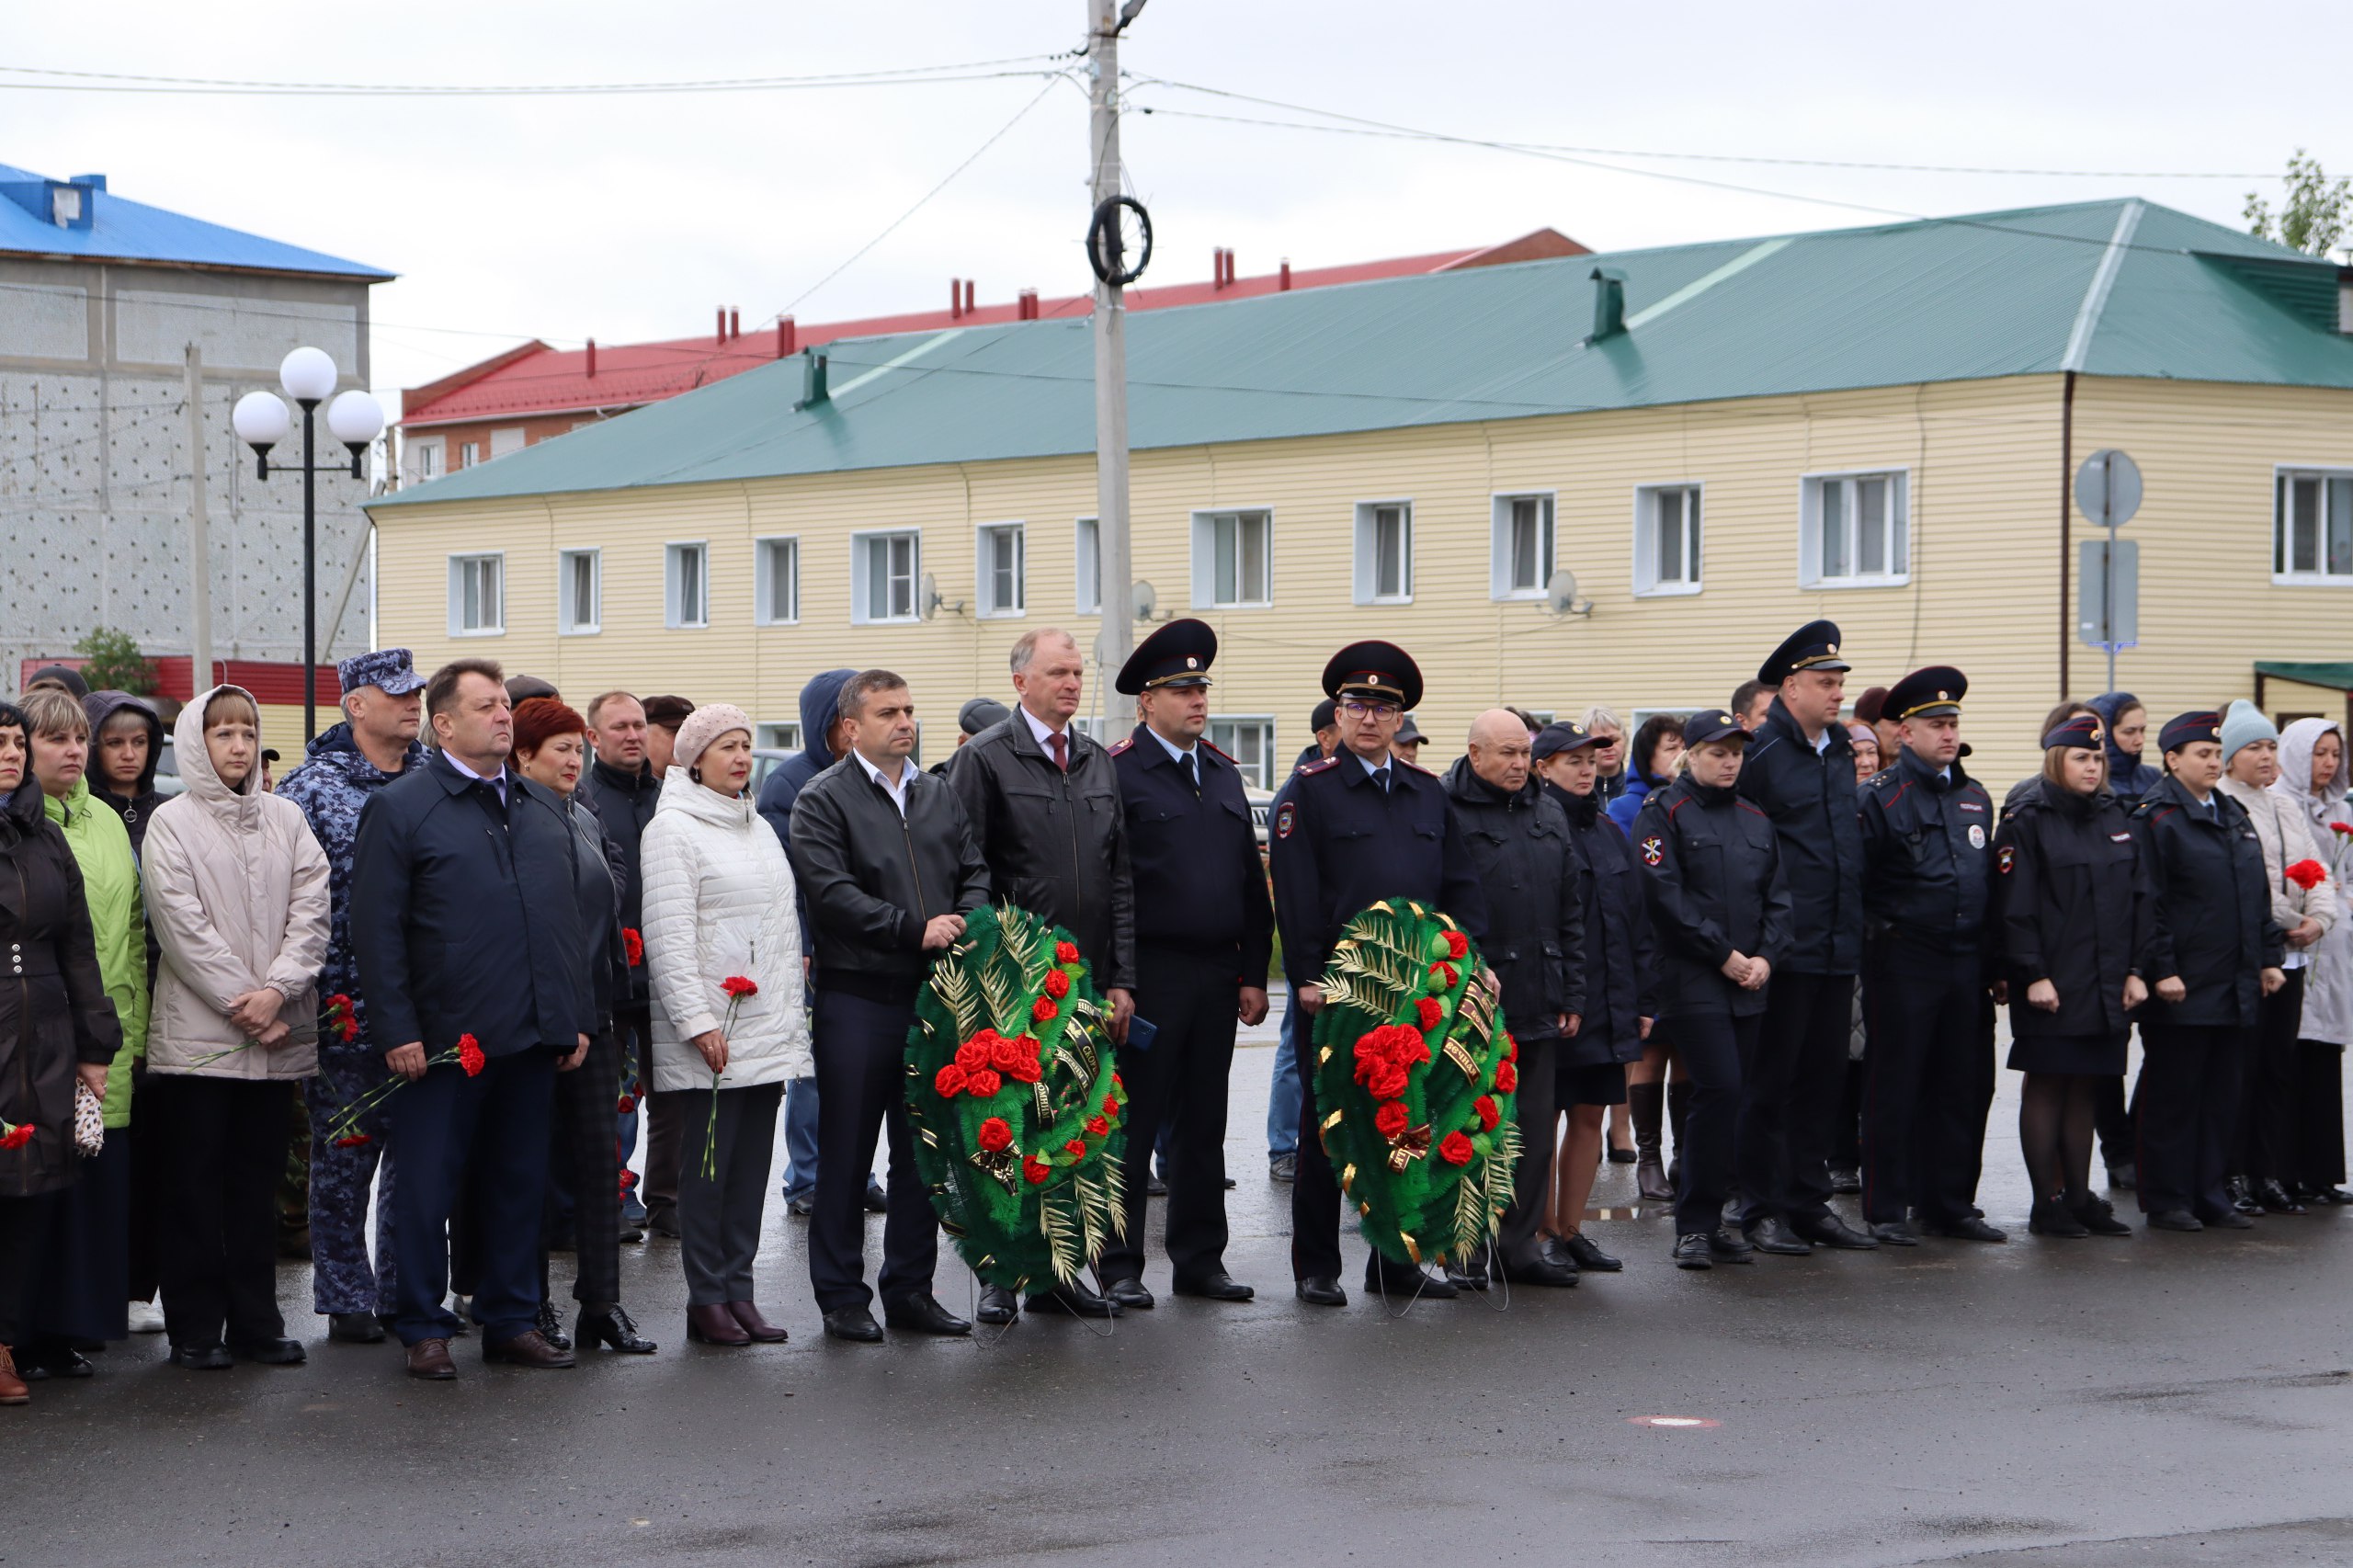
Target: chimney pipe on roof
x=735, y=321
x=955, y=299
x=1608, y=303
x=722, y=323
x=813, y=380
x=969, y=287
x=1217, y=269
x=592, y=358
x=1282, y=279
x=1026, y=305
x=785, y=334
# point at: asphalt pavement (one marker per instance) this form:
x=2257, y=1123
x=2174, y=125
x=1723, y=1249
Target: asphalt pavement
x=2159, y=1400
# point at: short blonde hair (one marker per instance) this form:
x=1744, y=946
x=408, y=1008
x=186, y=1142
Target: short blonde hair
x=227, y=704
x=51, y=711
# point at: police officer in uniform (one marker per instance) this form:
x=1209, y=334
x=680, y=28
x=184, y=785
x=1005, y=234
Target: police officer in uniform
x=1928, y=837
x=1357, y=828
x=1204, y=933
x=1801, y=772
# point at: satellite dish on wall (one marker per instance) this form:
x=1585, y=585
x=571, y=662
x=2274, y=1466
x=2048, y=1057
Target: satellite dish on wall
x=1146, y=599
x=927, y=600
x=1560, y=595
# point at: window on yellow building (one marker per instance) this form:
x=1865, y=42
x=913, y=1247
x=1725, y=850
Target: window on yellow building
x=1521, y=557
x=1089, y=573
x=1002, y=571
x=579, y=590
x=1854, y=530
x=1666, y=539
x=778, y=588
x=2311, y=526
x=1233, y=558
x=1250, y=742
x=685, y=587
x=883, y=572
x=1385, y=561
x=477, y=596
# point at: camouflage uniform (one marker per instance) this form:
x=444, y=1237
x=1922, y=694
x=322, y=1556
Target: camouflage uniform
x=331, y=787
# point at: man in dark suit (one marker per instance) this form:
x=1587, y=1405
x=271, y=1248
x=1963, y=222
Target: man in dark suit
x=1043, y=803
x=467, y=926
x=1204, y=933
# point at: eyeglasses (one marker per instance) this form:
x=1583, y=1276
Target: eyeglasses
x=1358, y=710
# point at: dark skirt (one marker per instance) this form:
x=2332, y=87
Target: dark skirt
x=81, y=1291
x=2100, y=1054
x=1581, y=1083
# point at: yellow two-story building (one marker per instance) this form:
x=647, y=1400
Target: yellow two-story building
x=1719, y=442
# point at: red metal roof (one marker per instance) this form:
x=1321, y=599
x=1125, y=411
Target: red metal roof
x=273, y=684
x=535, y=380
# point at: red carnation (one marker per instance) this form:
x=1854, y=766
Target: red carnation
x=983, y=1083
x=2344, y=827
x=1097, y=1126
x=1455, y=1149
x=974, y=1053
x=995, y=1134
x=1034, y=1170
x=1387, y=1082
x=1117, y=1081
x=1390, y=1120
x=950, y=1081
x=1511, y=1046
x=1442, y=978
x=17, y=1137
x=625, y=1105
x=1057, y=983
x=1488, y=1114
x=1110, y=1105
x=1431, y=1013
x=2306, y=874
x=1025, y=1069
x=1410, y=1049
x=1075, y=1148
x=1004, y=1055
x=470, y=1056
x=633, y=945
x=1457, y=944
x=740, y=985
x=1044, y=1009
x=1066, y=952
x=356, y=1140
x=1506, y=1077
x=346, y=1028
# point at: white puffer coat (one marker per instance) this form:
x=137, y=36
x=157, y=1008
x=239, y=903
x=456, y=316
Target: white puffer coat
x=236, y=891
x=2328, y=983
x=719, y=902
x=2286, y=832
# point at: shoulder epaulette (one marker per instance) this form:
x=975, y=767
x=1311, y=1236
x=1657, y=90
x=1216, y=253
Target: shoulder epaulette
x=1881, y=780
x=1429, y=773
x=1120, y=747
x=1220, y=751
x=1325, y=766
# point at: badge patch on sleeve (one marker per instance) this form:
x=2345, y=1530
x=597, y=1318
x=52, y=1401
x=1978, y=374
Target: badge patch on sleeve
x=1653, y=851
x=1977, y=835
x=1286, y=819
x=2005, y=857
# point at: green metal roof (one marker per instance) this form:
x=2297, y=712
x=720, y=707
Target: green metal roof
x=2335, y=673
x=2118, y=287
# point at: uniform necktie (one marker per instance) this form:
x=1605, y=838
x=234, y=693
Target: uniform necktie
x=1062, y=750
x=1193, y=770
x=1380, y=777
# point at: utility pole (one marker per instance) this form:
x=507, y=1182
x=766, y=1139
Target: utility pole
x=1117, y=638
x=199, y=537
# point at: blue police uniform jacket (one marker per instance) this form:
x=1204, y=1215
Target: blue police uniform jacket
x=1713, y=886
x=1810, y=798
x=1200, y=887
x=1620, y=955
x=1928, y=853
x=2211, y=923
x=1339, y=844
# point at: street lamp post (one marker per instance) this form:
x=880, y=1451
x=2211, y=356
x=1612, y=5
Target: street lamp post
x=308, y=375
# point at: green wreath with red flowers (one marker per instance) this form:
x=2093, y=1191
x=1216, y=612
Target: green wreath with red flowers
x=1415, y=1080
x=1016, y=1107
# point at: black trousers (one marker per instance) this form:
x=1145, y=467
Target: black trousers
x=482, y=1142
x=1789, y=1098
x=1716, y=1050
x=1538, y=1111
x=2192, y=1075
x=1178, y=1089
x=1846, y=1130
x=26, y=1224
x=719, y=1215
x=2112, y=1120
x=2320, y=1114
x=82, y=1282
x=1930, y=1085
x=2265, y=1143
x=862, y=1088
x=223, y=1150
x=587, y=1155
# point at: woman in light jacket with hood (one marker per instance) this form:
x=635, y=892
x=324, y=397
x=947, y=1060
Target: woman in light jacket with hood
x=2315, y=774
x=720, y=906
x=2265, y=1146
x=237, y=894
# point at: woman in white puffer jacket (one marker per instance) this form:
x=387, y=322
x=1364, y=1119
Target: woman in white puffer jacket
x=2314, y=771
x=720, y=904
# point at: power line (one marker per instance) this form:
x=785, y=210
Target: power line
x=120, y=82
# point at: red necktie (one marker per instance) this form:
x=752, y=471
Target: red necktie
x=1062, y=751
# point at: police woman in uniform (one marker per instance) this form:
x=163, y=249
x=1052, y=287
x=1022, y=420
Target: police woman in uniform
x=1721, y=907
x=2073, y=921
x=1620, y=978
x=2213, y=953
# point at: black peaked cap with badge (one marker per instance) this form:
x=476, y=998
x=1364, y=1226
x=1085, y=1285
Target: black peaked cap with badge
x=1926, y=694
x=1814, y=646
x=1177, y=654
x=1381, y=671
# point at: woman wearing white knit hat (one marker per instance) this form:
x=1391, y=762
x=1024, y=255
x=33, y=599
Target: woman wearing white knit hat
x=719, y=911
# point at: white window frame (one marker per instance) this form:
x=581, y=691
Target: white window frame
x=776, y=735
x=469, y=454
x=1205, y=530
x=1367, y=552
x=1087, y=557
x=507, y=442
x=427, y=458
x=569, y=622
x=1268, y=770
x=862, y=613
x=1647, y=583
x=1500, y=583
x=674, y=614
x=1809, y=509
x=2329, y=476
x=459, y=565
x=984, y=600
x=765, y=611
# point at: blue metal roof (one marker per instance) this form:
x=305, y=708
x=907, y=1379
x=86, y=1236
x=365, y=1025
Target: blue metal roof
x=2112, y=288
x=114, y=229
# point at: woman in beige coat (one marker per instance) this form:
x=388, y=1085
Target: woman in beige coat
x=236, y=891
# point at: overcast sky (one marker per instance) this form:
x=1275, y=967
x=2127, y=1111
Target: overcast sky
x=632, y=217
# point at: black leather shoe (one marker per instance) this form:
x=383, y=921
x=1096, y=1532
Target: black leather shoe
x=997, y=1305
x=2124, y=1177
x=550, y=1326
x=922, y=1315
x=1621, y=1154
x=195, y=1357
x=853, y=1324
x=612, y=1327
x=2176, y=1219
x=2331, y=1196
x=1728, y=1245
x=1846, y=1179
x=1219, y=1287
x=1773, y=1234
x=2097, y=1216
x=2276, y=1198
x=2227, y=1219
x=1129, y=1295
x=1403, y=1282
x=2050, y=1217
x=355, y=1328
x=1553, y=1271
x=1970, y=1227
x=1650, y=1181
x=629, y=1230
x=55, y=1361
x=876, y=1202
x=2242, y=1196
x=276, y=1352
x=799, y=1207
x=663, y=1222
x=1475, y=1277
x=1587, y=1256
x=1155, y=1187
x=1893, y=1233
x=1283, y=1168
x=1320, y=1291
x=1829, y=1231
x=1079, y=1299
x=1692, y=1250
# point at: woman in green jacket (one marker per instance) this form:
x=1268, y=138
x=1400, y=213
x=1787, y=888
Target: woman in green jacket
x=85, y=1281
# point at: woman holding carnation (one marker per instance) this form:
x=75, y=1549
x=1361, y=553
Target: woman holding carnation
x=237, y=894
x=550, y=748
x=723, y=952
x=2313, y=771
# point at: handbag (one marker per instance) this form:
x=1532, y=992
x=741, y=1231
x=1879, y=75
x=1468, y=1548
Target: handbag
x=89, y=1122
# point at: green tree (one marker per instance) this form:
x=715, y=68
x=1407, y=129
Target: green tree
x=115, y=662
x=2313, y=218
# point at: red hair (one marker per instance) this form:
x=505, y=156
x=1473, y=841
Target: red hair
x=539, y=719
